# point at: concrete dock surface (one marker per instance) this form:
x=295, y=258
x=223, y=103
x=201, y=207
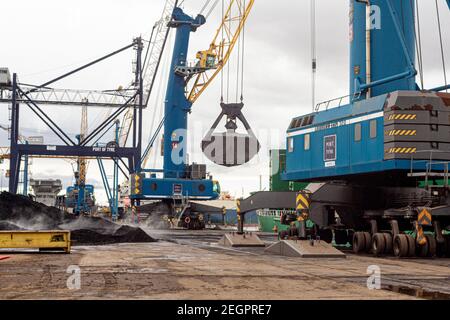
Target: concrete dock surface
x=189, y=265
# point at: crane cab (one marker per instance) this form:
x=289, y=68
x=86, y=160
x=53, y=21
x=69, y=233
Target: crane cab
x=207, y=59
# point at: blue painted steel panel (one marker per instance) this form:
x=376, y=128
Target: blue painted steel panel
x=387, y=54
x=166, y=188
x=358, y=108
x=177, y=105
x=352, y=157
x=392, y=53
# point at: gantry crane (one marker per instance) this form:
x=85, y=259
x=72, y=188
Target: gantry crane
x=80, y=196
x=5, y=154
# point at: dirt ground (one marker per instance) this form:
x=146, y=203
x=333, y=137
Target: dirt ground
x=170, y=270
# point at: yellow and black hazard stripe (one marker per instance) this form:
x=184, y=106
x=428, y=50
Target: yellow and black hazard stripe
x=302, y=201
x=400, y=133
x=424, y=217
x=403, y=116
x=238, y=206
x=401, y=150
x=420, y=235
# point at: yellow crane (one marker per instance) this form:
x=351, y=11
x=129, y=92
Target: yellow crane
x=222, y=45
x=82, y=162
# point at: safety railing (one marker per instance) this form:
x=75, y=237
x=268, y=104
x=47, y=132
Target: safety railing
x=433, y=168
x=329, y=104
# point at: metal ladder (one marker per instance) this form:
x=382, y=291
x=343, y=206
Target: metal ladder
x=430, y=172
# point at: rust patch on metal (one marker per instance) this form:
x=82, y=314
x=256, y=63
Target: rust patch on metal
x=445, y=97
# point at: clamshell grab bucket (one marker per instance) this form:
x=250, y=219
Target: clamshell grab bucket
x=230, y=148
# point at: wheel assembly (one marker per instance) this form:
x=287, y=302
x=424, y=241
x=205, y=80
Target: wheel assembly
x=422, y=251
x=341, y=237
x=447, y=240
x=432, y=245
x=326, y=235
x=359, y=242
x=368, y=242
x=441, y=250
x=401, y=247
x=411, y=245
x=378, y=244
x=388, y=243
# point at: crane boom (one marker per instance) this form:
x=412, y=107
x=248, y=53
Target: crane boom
x=82, y=162
x=151, y=65
x=222, y=46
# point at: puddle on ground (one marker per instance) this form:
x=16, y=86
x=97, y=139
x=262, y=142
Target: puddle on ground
x=418, y=293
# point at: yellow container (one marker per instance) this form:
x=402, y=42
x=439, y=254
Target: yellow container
x=43, y=240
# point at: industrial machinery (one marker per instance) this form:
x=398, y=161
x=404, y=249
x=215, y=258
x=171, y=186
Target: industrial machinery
x=180, y=181
x=80, y=197
x=378, y=166
x=370, y=156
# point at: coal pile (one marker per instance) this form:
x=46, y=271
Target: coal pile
x=21, y=213
x=124, y=234
x=28, y=214
x=5, y=225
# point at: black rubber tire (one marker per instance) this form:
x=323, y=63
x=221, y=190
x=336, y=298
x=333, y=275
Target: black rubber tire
x=378, y=244
x=283, y=235
x=368, y=245
x=350, y=235
x=411, y=245
x=326, y=235
x=441, y=249
x=359, y=242
x=432, y=245
x=401, y=246
x=341, y=237
x=388, y=243
x=447, y=239
x=422, y=251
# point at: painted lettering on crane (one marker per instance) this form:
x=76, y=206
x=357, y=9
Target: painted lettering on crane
x=104, y=149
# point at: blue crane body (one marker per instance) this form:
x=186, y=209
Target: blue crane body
x=177, y=179
x=80, y=199
x=388, y=120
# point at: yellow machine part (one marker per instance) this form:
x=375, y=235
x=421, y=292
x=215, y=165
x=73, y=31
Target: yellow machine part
x=35, y=240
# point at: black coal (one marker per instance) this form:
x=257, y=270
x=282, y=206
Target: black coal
x=19, y=212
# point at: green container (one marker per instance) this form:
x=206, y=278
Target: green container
x=277, y=167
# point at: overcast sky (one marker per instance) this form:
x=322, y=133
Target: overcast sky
x=43, y=39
